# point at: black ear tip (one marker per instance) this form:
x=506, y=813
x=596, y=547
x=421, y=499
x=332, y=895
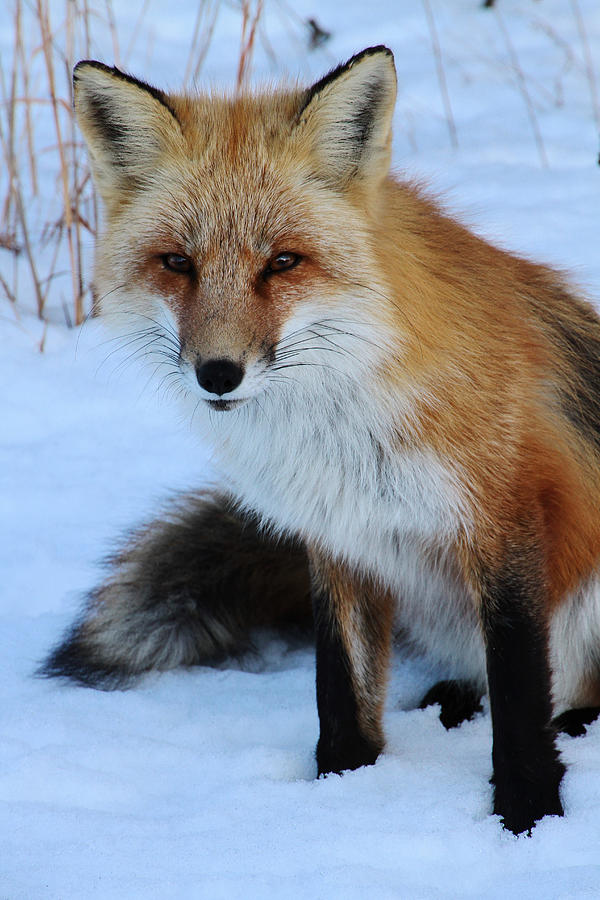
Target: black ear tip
x=93, y=64
x=379, y=49
x=79, y=66
x=115, y=73
x=83, y=64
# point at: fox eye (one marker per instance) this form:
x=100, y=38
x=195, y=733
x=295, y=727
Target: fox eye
x=282, y=261
x=177, y=263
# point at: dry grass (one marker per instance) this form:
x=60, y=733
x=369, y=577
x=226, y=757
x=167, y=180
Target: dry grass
x=441, y=72
x=45, y=241
x=36, y=102
x=523, y=89
x=204, y=27
x=251, y=13
x=588, y=61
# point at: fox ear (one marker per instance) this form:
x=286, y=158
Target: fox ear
x=347, y=117
x=127, y=124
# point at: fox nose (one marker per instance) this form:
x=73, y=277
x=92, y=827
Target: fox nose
x=219, y=376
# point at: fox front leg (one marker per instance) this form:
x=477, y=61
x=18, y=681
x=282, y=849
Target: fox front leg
x=527, y=768
x=353, y=626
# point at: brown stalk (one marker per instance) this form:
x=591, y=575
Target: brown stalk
x=44, y=25
x=250, y=22
x=14, y=205
x=112, y=27
x=441, y=73
x=589, y=65
x=204, y=26
x=522, y=83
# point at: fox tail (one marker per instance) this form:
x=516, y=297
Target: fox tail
x=186, y=590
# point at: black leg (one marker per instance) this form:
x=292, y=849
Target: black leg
x=459, y=700
x=573, y=721
x=527, y=768
x=342, y=743
x=353, y=632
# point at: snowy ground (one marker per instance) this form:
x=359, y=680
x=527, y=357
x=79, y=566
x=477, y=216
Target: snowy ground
x=201, y=784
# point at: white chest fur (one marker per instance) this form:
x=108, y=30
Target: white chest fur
x=329, y=475
x=326, y=470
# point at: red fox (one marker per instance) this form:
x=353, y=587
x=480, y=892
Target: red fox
x=407, y=418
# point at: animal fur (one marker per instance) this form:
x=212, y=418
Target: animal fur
x=401, y=409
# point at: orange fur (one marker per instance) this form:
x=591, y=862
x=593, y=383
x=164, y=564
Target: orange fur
x=364, y=615
x=481, y=366
x=476, y=353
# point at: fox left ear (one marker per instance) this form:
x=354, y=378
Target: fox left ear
x=129, y=127
x=347, y=118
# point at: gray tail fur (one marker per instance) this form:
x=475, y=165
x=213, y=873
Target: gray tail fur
x=186, y=590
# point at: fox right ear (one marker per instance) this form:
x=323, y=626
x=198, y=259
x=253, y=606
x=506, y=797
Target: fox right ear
x=346, y=118
x=128, y=126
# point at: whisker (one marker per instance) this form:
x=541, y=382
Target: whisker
x=167, y=382
x=278, y=368
x=392, y=302
x=285, y=379
x=338, y=349
x=164, y=327
x=153, y=376
x=141, y=335
x=139, y=353
x=122, y=337
x=94, y=310
x=256, y=400
x=194, y=413
x=353, y=334
x=288, y=354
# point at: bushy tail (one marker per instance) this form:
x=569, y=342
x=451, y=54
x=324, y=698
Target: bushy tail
x=186, y=590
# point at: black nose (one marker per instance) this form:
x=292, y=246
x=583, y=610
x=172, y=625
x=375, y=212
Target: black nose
x=219, y=376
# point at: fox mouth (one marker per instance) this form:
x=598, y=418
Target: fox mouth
x=223, y=405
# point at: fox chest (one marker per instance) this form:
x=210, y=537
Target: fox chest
x=394, y=518
x=383, y=513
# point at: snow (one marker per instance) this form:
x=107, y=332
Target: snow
x=202, y=783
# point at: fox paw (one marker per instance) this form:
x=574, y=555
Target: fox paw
x=351, y=754
x=459, y=701
x=522, y=800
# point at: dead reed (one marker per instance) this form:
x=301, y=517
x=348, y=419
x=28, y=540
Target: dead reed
x=46, y=236
x=38, y=144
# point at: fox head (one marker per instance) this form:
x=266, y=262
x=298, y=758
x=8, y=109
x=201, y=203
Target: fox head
x=239, y=232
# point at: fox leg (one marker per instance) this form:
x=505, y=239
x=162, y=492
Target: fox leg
x=186, y=590
x=459, y=700
x=353, y=628
x=527, y=768
x=574, y=722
